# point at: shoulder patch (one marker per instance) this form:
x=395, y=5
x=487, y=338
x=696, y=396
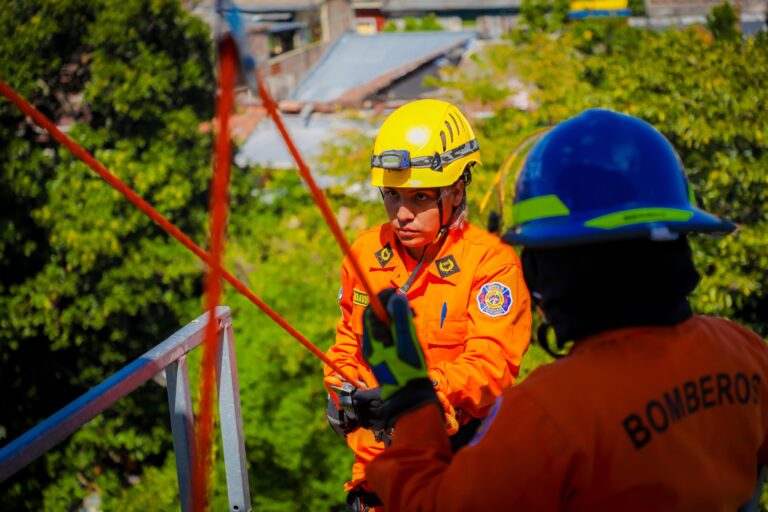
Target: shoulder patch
x=384, y=255
x=494, y=299
x=359, y=298
x=447, y=266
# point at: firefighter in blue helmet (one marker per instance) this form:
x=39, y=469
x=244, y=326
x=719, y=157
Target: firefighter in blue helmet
x=652, y=408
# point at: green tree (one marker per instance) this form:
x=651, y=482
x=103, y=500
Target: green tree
x=538, y=15
x=723, y=22
x=430, y=22
x=705, y=94
x=87, y=281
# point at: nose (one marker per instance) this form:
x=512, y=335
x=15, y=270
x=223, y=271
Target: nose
x=404, y=215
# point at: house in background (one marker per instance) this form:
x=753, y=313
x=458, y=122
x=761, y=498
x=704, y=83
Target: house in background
x=287, y=37
x=664, y=13
x=361, y=71
x=490, y=18
x=369, y=17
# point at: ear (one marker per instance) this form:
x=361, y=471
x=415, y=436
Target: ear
x=458, y=193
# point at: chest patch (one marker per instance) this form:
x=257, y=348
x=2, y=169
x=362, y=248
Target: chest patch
x=447, y=266
x=384, y=255
x=359, y=298
x=494, y=299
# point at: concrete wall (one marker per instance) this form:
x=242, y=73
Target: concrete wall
x=340, y=17
x=284, y=72
x=661, y=8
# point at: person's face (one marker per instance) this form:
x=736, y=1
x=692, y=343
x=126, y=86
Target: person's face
x=414, y=214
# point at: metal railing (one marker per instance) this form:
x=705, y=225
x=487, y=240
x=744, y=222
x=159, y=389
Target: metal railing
x=171, y=356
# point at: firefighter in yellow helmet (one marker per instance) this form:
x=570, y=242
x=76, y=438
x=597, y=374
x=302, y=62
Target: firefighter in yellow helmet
x=472, y=311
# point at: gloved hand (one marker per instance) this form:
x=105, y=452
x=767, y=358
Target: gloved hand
x=340, y=422
x=395, y=357
x=368, y=408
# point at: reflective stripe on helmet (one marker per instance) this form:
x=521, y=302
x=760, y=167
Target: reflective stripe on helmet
x=537, y=208
x=637, y=215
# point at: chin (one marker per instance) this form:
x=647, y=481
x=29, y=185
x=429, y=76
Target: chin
x=413, y=242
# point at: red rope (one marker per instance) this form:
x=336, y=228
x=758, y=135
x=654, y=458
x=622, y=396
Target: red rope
x=218, y=218
x=158, y=218
x=322, y=203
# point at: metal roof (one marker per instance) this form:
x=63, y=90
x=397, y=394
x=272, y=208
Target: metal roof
x=266, y=147
x=356, y=61
x=449, y=5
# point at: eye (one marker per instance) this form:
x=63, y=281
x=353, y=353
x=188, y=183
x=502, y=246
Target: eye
x=390, y=193
x=423, y=196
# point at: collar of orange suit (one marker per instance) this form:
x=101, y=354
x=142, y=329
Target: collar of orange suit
x=625, y=334
x=444, y=266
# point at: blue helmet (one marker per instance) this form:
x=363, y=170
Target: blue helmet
x=604, y=176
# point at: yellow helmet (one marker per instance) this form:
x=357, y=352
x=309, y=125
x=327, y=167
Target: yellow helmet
x=423, y=144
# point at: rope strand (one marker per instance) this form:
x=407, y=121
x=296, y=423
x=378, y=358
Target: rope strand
x=166, y=225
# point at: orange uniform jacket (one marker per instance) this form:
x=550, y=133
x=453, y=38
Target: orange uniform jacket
x=472, y=316
x=661, y=419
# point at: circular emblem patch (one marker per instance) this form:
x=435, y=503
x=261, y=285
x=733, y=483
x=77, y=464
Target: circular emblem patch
x=494, y=299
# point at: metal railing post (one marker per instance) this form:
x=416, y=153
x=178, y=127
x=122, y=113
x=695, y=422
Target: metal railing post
x=169, y=355
x=182, y=426
x=232, y=423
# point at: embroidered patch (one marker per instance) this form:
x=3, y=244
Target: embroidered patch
x=384, y=255
x=447, y=266
x=494, y=299
x=359, y=298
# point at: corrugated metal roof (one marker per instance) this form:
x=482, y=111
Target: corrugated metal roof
x=267, y=5
x=266, y=147
x=356, y=60
x=448, y=5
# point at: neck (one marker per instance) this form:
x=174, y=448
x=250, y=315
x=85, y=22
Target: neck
x=416, y=252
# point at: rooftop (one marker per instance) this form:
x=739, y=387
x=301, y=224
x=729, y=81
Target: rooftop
x=358, y=65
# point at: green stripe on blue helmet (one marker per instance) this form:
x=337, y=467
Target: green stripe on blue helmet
x=604, y=176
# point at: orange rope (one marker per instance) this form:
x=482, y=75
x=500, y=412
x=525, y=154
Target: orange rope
x=218, y=218
x=321, y=201
x=112, y=180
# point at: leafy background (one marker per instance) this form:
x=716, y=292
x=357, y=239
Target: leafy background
x=87, y=283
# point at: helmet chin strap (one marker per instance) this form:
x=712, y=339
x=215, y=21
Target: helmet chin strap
x=444, y=227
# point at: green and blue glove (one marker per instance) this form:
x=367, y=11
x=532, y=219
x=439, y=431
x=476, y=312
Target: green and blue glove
x=395, y=356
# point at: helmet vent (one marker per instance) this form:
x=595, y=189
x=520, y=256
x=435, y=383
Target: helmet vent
x=442, y=137
x=456, y=124
x=450, y=130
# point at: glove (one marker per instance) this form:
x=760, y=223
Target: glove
x=368, y=408
x=395, y=358
x=338, y=419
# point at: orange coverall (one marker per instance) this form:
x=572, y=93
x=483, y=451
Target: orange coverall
x=472, y=316
x=646, y=419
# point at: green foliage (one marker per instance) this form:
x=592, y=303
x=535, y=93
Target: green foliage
x=702, y=93
x=429, y=22
x=723, y=22
x=544, y=15
x=296, y=461
x=88, y=282
x=637, y=7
